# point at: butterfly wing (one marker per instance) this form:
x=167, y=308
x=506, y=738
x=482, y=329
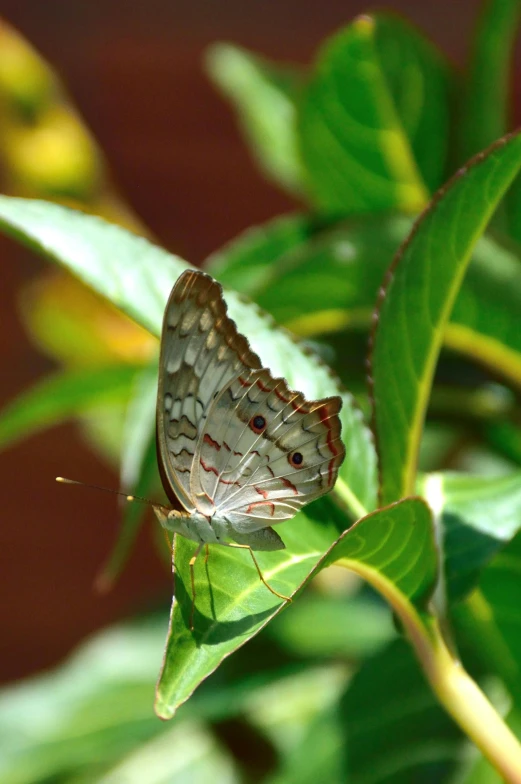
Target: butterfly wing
x=265, y=451
x=201, y=352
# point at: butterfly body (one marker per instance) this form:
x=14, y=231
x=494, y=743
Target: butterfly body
x=215, y=530
x=236, y=447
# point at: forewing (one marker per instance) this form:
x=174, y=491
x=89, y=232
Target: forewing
x=255, y=479
x=201, y=352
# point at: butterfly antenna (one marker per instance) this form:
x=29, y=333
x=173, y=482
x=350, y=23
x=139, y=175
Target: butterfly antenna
x=128, y=497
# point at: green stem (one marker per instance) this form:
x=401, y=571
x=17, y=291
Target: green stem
x=470, y=708
x=457, y=692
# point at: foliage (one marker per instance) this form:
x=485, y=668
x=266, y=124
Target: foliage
x=426, y=509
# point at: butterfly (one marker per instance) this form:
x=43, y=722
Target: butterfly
x=236, y=447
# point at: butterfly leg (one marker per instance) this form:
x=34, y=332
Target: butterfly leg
x=193, y=559
x=268, y=586
x=206, y=553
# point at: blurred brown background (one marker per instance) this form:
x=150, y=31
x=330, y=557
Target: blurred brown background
x=135, y=71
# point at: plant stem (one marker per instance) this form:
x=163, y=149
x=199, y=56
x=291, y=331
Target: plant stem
x=457, y=692
x=470, y=708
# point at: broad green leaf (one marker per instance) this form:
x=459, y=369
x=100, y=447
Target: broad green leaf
x=63, y=396
x=478, y=515
x=138, y=276
x=371, y=119
x=395, y=730
x=264, y=94
x=417, y=302
x=392, y=548
x=231, y=604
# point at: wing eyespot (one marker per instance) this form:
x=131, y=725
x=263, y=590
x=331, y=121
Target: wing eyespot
x=296, y=459
x=258, y=424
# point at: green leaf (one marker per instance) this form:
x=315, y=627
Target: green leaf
x=479, y=515
x=418, y=300
x=318, y=281
x=388, y=707
x=62, y=397
x=231, y=604
x=264, y=95
x=392, y=548
x=372, y=117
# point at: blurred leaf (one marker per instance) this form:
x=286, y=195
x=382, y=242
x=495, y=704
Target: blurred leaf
x=484, y=111
x=139, y=474
x=88, y=712
x=185, y=754
x=419, y=80
x=333, y=626
x=323, y=281
x=392, y=548
x=92, y=711
x=61, y=397
x=505, y=436
x=396, y=731
x=318, y=756
x=418, y=300
x=248, y=262
x=299, y=715
x=137, y=277
x=76, y=326
x=479, y=515
x=264, y=95
x=501, y=589
x=140, y=427
x=370, y=140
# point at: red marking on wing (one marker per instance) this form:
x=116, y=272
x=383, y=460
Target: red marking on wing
x=263, y=493
x=288, y=484
x=238, y=454
x=208, y=469
x=229, y=482
x=324, y=417
x=261, y=503
x=243, y=383
x=209, y=440
x=262, y=386
x=304, y=406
